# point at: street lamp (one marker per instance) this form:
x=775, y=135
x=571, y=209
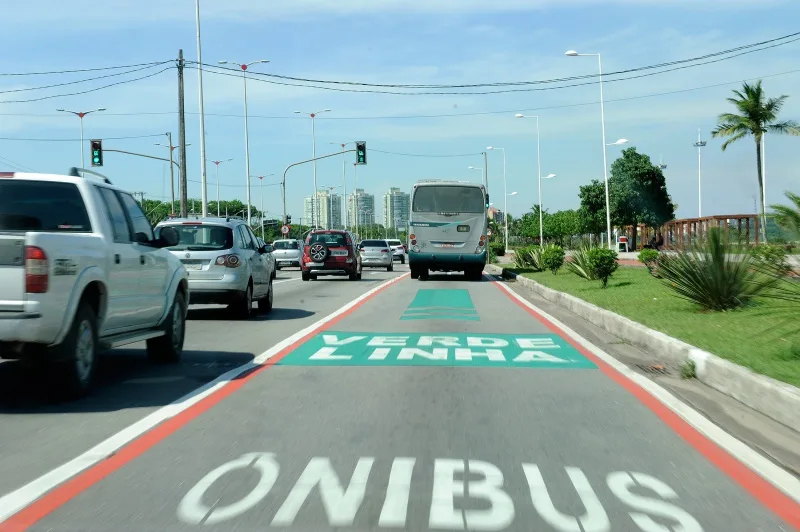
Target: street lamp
x=261, y=189
x=573, y=53
x=314, y=156
x=505, y=191
x=244, y=67
x=538, y=172
x=344, y=179
x=171, y=170
x=81, y=114
x=217, y=164
x=476, y=168
x=699, y=144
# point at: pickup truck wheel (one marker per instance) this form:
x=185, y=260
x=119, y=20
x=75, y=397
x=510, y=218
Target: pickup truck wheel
x=169, y=348
x=75, y=375
x=244, y=307
x=265, y=304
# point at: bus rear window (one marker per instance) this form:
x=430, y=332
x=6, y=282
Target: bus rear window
x=42, y=206
x=448, y=199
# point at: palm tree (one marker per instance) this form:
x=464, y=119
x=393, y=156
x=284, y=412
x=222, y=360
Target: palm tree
x=788, y=216
x=757, y=116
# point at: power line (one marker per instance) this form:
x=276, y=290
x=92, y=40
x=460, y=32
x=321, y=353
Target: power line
x=123, y=82
x=79, y=70
x=748, y=47
x=81, y=80
x=77, y=140
x=17, y=165
x=426, y=155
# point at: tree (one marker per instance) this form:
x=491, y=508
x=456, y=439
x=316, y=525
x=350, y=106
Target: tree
x=638, y=192
x=788, y=216
x=562, y=225
x=592, y=212
x=757, y=116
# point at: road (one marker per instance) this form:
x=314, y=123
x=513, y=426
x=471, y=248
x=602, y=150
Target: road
x=386, y=403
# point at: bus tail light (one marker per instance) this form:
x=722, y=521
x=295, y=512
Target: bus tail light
x=483, y=241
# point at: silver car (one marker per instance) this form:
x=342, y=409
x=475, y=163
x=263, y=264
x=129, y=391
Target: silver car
x=376, y=254
x=287, y=252
x=225, y=262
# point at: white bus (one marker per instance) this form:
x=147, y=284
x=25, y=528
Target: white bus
x=448, y=228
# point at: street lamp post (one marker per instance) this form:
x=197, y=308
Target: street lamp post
x=217, y=164
x=244, y=67
x=261, y=190
x=355, y=195
x=505, y=192
x=538, y=172
x=171, y=170
x=699, y=144
x=203, y=174
x=573, y=53
x=344, y=181
x=315, y=207
x=81, y=114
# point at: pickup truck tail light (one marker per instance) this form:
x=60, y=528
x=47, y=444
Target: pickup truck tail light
x=229, y=261
x=36, y=271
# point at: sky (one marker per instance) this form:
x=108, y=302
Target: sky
x=409, y=137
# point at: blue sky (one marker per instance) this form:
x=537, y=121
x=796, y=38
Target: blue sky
x=437, y=41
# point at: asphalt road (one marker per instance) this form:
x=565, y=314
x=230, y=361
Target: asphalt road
x=441, y=405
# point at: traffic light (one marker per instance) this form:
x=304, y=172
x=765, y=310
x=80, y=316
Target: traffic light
x=97, y=152
x=288, y=218
x=361, y=152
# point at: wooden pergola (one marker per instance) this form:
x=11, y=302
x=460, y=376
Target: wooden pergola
x=740, y=228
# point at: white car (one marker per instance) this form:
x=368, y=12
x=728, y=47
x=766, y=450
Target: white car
x=398, y=250
x=81, y=270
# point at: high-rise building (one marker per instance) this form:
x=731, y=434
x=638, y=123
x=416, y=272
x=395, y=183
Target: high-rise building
x=496, y=215
x=396, y=205
x=330, y=210
x=362, y=203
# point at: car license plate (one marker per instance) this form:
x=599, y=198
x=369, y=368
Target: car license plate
x=316, y=264
x=284, y=262
x=447, y=245
x=463, y=229
x=193, y=266
x=338, y=253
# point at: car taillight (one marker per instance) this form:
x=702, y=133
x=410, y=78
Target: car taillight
x=384, y=251
x=36, y=276
x=6, y=174
x=229, y=261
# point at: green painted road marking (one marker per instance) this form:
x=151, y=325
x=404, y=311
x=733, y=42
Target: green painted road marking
x=444, y=349
x=441, y=305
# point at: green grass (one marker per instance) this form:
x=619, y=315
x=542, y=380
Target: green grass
x=751, y=337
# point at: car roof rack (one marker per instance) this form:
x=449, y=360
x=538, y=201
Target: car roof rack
x=76, y=172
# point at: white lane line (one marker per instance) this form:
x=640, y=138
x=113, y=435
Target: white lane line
x=772, y=473
x=18, y=499
x=286, y=280
x=154, y=380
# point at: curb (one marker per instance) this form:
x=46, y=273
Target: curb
x=775, y=399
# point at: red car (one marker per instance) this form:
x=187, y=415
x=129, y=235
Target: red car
x=330, y=252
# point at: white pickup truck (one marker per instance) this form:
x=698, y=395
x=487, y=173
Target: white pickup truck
x=81, y=271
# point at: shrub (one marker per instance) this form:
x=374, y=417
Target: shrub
x=529, y=258
x=772, y=256
x=602, y=262
x=553, y=258
x=714, y=274
x=498, y=249
x=649, y=257
x=579, y=263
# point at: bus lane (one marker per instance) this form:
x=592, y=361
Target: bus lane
x=437, y=405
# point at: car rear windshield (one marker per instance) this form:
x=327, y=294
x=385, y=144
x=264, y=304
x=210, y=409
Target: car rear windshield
x=448, y=199
x=395, y=243
x=42, y=206
x=201, y=237
x=374, y=243
x=286, y=244
x=331, y=239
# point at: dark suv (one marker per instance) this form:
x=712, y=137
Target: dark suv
x=330, y=252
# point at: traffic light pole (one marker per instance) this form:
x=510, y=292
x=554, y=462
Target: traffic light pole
x=283, y=181
x=143, y=155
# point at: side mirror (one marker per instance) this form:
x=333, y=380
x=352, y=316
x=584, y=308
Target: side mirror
x=141, y=238
x=168, y=237
x=262, y=249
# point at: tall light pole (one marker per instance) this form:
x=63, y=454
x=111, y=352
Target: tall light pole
x=315, y=203
x=573, y=53
x=355, y=196
x=244, y=67
x=217, y=164
x=81, y=114
x=171, y=169
x=344, y=180
x=261, y=190
x=203, y=175
x=483, y=179
x=541, y=207
x=505, y=192
x=699, y=145
x=538, y=172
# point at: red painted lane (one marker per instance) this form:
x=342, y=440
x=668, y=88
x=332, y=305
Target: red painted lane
x=770, y=496
x=75, y=486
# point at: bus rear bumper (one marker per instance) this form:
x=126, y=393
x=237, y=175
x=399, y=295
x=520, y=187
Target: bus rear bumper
x=446, y=261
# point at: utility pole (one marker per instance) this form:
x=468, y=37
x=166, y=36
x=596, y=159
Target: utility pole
x=171, y=176
x=182, y=136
